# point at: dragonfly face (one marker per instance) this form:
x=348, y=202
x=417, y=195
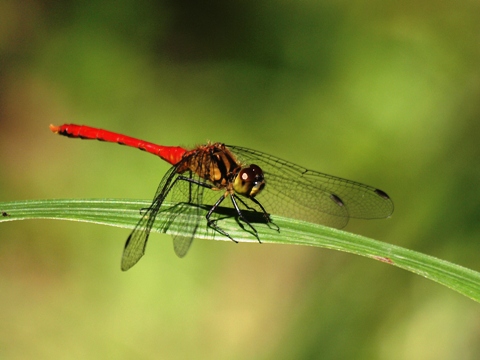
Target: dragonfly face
x=249, y=181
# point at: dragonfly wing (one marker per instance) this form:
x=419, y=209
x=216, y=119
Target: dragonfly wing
x=187, y=193
x=137, y=240
x=297, y=192
x=181, y=245
x=303, y=201
x=363, y=201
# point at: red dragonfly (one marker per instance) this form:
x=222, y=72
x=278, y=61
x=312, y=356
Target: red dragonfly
x=254, y=182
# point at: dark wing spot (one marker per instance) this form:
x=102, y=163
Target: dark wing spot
x=382, y=194
x=337, y=200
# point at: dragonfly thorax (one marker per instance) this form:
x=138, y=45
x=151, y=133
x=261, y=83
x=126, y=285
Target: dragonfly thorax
x=249, y=181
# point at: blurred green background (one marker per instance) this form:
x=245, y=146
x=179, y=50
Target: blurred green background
x=382, y=92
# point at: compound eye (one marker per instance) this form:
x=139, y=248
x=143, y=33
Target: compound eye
x=249, y=181
x=253, y=173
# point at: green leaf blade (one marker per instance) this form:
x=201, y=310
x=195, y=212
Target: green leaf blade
x=126, y=213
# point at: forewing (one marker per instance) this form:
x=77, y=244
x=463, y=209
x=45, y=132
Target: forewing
x=294, y=191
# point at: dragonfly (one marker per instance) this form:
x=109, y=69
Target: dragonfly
x=255, y=182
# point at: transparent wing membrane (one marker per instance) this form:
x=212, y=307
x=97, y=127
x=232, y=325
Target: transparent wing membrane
x=290, y=191
x=294, y=191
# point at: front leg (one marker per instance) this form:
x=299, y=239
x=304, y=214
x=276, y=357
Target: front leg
x=265, y=214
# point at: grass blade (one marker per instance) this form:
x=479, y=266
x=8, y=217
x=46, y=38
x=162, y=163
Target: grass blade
x=126, y=213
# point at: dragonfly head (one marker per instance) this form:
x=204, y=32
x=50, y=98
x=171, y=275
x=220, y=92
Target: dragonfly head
x=249, y=181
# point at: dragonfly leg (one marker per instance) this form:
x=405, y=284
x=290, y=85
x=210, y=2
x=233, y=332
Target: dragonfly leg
x=246, y=205
x=210, y=222
x=265, y=214
x=240, y=215
x=213, y=223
